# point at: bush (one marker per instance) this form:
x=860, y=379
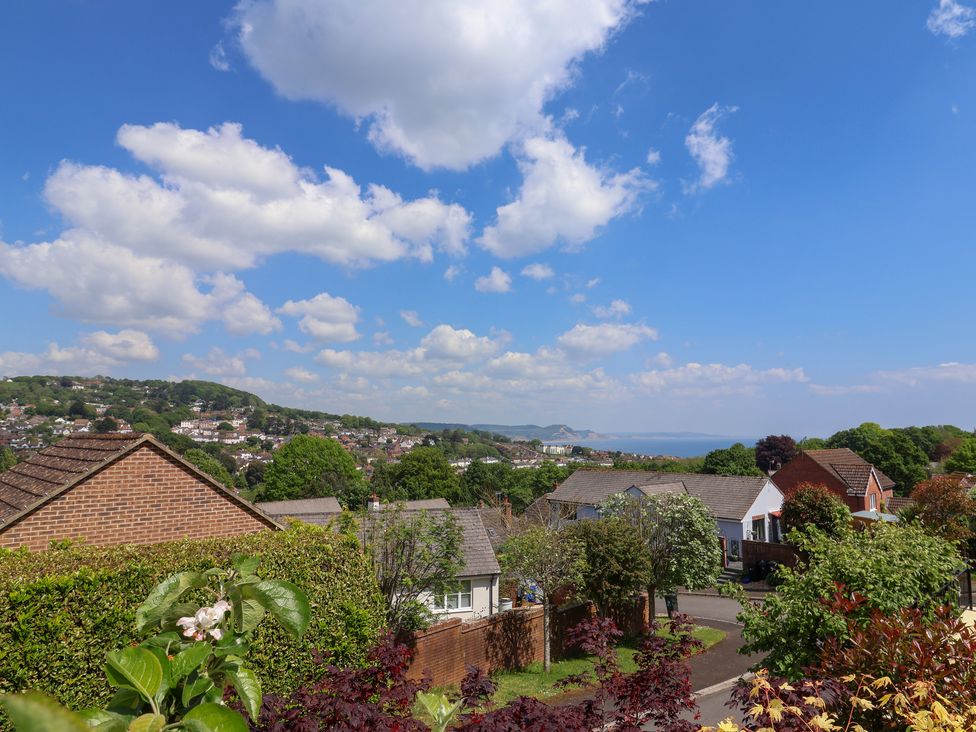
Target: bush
x=811, y=504
x=61, y=609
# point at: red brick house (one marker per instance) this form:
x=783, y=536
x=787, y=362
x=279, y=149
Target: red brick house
x=852, y=478
x=117, y=489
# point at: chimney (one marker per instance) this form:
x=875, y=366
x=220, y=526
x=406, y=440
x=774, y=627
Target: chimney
x=374, y=502
x=507, y=509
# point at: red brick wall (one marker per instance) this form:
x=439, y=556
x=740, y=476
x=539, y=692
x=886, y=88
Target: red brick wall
x=509, y=640
x=143, y=498
x=804, y=469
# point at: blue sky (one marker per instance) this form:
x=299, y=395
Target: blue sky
x=711, y=215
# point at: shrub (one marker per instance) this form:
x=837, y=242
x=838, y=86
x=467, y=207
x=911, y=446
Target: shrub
x=815, y=505
x=61, y=609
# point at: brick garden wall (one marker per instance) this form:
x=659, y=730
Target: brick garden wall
x=508, y=640
x=144, y=498
x=754, y=552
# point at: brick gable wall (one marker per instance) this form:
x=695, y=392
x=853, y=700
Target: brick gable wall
x=804, y=469
x=144, y=498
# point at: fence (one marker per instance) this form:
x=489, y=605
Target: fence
x=508, y=640
x=754, y=552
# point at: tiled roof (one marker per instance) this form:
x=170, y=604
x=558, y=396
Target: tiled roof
x=329, y=504
x=55, y=467
x=425, y=504
x=897, y=503
x=850, y=468
x=479, y=557
x=728, y=496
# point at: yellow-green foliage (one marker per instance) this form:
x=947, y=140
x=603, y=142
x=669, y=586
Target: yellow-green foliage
x=63, y=609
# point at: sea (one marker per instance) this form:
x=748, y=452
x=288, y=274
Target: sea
x=675, y=446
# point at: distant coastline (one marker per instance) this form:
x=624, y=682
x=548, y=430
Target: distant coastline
x=675, y=444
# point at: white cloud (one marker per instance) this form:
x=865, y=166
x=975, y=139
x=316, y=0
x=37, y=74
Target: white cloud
x=577, y=298
x=538, y=271
x=653, y=156
x=445, y=343
x=218, y=58
x=125, y=345
x=242, y=312
x=452, y=272
x=712, y=152
x=440, y=82
x=949, y=372
x=616, y=309
x=376, y=364
x=219, y=363
x=382, y=338
x=411, y=318
x=297, y=373
x=294, y=347
x=562, y=199
x=695, y=379
x=325, y=318
x=591, y=341
x=663, y=359
x=951, y=19
x=497, y=281
x=590, y=284
x=837, y=390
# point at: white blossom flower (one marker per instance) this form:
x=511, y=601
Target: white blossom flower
x=204, y=622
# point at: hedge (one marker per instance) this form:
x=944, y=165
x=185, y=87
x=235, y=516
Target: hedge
x=61, y=610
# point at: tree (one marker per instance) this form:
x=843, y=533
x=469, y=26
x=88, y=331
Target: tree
x=891, y=452
x=7, y=459
x=78, y=408
x=424, y=473
x=774, y=451
x=944, y=507
x=963, y=459
x=225, y=427
x=735, y=460
x=815, y=505
x=313, y=467
x=679, y=535
x=894, y=566
x=617, y=567
x=106, y=424
x=552, y=561
x=209, y=465
x=414, y=553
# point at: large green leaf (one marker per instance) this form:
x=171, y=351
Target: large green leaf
x=163, y=595
x=126, y=702
x=248, y=688
x=36, y=712
x=186, y=661
x=244, y=564
x=147, y=723
x=285, y=601
x=102, y=720
x=216, y=718
x=136, y=668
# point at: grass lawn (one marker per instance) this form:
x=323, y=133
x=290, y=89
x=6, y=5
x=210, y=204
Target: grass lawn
x=533, y=682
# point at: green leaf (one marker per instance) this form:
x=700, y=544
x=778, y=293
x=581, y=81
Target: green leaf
x=231, y=645
x=136, y=668
x=36, y=712
x=248, y=688
x=216, y=718
x=195, y=688
x=148, y=723
x=163, y=595
x=284, y=601
x=186, y=661
x=126, y=702
x=244, y=564
x=102, y=720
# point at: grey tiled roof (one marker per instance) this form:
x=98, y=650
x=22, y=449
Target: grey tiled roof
x=425, y=504
x=297, y=507
x=728, y=496
x=850, y=468
x=479, y=557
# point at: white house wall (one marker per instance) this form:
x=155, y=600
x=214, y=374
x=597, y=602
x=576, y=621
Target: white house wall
x=484, y=600
x=770, y=499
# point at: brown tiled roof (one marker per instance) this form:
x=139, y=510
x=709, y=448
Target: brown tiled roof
x=728, y=496
x=850, y=468
x=57, y=466
x=297, y=507
x=897, y=503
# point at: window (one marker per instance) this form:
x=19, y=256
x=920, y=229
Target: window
x=759, y=529
x=874, y=502
x=459, y=600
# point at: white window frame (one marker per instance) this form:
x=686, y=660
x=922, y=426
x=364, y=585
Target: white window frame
x=759, y=535
x=874, y=501
x=442, y=603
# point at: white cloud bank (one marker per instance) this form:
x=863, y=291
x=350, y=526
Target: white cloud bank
x=695, y=379
x=594, y=341
x=325, y=318
x=498, y=280
x=443, y=83
x=99, y=353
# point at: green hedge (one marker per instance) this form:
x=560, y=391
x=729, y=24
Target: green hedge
x=63, y=609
